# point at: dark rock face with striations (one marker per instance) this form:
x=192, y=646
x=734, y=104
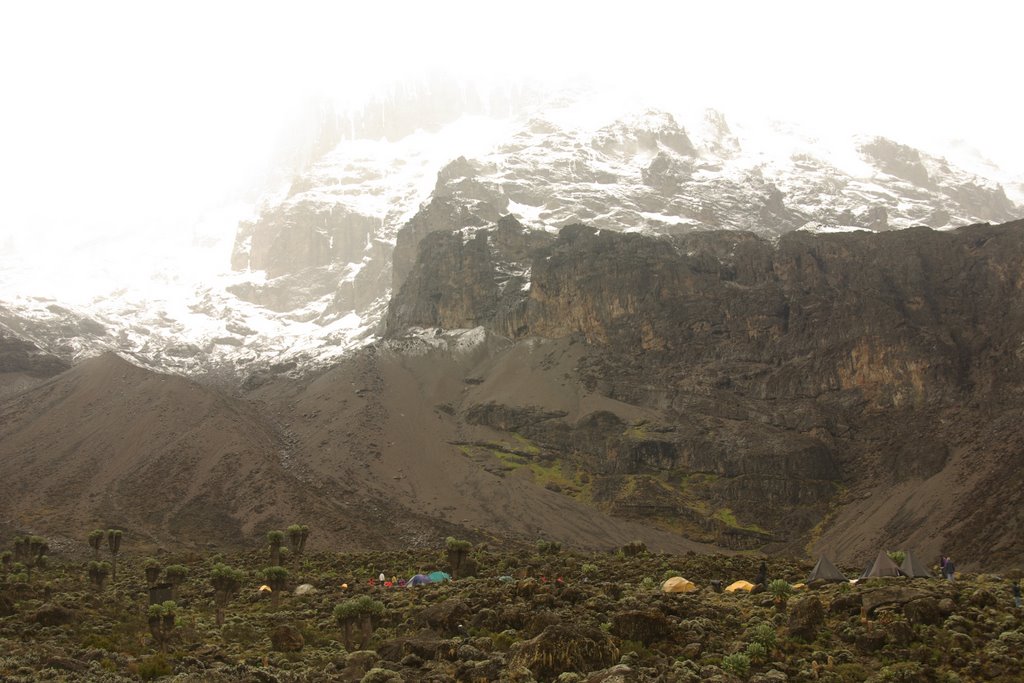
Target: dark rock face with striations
x=790, y=384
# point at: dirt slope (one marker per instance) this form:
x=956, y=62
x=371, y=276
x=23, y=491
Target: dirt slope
x=386, y=419
x=362, y=454
x=110, y=444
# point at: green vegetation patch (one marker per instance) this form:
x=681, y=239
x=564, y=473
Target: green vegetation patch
x=726, y=516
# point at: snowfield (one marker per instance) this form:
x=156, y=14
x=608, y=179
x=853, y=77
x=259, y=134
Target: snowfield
x=174, y=306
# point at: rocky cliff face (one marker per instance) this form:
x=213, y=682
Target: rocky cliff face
x=906, y=318
x=23, y=364
x=784, y=377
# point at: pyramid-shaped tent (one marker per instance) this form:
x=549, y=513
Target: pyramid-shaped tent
x=824, y=570
x=883, y=566
x=914, y=568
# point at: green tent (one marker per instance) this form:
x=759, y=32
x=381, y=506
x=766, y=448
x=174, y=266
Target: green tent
x=438, y=577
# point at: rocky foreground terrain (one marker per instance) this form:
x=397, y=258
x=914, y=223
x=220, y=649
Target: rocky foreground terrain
x=519, y=614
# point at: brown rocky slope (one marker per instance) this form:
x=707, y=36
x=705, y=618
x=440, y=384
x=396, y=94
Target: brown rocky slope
x=354, y=453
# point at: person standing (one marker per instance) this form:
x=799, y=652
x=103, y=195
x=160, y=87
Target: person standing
x=762, y=575
x=949, y=569
x=1016, y=593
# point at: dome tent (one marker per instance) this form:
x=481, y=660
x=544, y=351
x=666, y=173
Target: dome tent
x=678, y=584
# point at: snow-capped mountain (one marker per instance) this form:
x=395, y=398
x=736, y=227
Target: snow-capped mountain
x=313, y=269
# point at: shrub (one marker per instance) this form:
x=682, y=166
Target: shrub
x=900, y=672
x=226, y=583
x=548, y=547
x=737, y=664
x=96, y=537
x=897, y=556
x=763, y=634
x=160, y=619
x=452, y=543
x=633, y=548
x=458, y=553
x=152, y=668
x=779, y=588
x=297, y=535
x=362, y=610
x=274, y=540
x=176, y=574
x=277, y=579
x=757, y=652
x=98, y=573
x=152, y=569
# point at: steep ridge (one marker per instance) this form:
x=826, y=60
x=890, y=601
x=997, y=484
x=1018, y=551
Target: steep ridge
x=173, y=463
x=23, y=364
x=847, y=390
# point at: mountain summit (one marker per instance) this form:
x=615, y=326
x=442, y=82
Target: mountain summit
x=313, y=270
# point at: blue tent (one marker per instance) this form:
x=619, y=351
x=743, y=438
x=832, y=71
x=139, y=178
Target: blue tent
x=438, y=577
x=418, y=580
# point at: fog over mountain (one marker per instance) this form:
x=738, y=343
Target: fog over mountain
x=135, y=133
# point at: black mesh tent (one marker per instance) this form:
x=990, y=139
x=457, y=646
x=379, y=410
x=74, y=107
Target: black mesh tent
x=825, y=571
x=883, y=566
x=915, y=568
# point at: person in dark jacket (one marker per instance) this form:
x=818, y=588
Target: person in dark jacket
x=1016, y=593
x=949, y=569
x=762, y=574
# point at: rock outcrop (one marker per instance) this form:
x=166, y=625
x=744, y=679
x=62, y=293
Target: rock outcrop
x=293, y=237
x=780, y=380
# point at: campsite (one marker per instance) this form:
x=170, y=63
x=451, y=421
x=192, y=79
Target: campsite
x=517, y=614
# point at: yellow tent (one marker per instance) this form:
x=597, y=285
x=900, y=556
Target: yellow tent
x=745, y=586
x=678, y=584
x=265, y=589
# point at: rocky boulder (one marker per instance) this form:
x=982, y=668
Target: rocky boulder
x=806, y=615
x=286, y=638
x=54, y=615
x=642, y=626
x=923, y=611
x=564, y=648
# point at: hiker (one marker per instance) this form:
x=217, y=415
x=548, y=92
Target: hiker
x=762, y=574
x=949, y=568
x=1016, y=593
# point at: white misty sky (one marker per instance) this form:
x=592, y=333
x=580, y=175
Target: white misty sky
x=124, y=118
